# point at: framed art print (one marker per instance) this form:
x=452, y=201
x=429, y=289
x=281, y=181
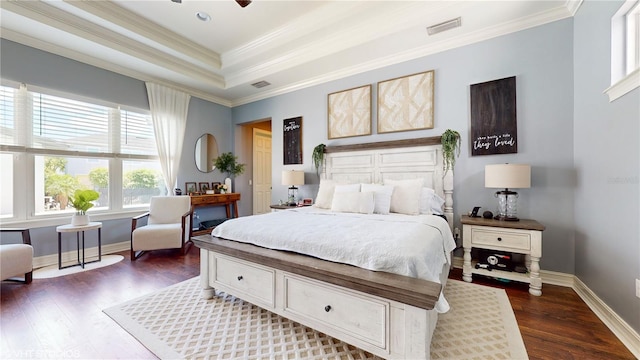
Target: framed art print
x=406, y=103
x=190, y=187
x=349, y=112
x=204, y=186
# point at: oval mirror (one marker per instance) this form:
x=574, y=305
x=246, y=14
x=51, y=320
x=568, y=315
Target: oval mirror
x=206, y=152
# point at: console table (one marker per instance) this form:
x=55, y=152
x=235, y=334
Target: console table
x=226, y=200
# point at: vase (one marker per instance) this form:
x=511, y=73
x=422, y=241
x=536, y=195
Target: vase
x=79, y=220
x=227, y=182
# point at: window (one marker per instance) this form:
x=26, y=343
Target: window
x=66, y=143
x=633, y=36
x=141, y=180
x=625, y=50
x=6, y=184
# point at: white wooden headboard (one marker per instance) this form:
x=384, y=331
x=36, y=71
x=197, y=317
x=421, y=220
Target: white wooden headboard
x=402, y=159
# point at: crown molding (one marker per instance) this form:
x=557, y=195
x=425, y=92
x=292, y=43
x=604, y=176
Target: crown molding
x=107, y=65
x=318, y=19
x=115, y=14
x=358, y=33
x=573, y=6
x=523, y=23
x=59, y=19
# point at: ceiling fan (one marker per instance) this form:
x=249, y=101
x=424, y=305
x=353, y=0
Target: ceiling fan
x=242, y=3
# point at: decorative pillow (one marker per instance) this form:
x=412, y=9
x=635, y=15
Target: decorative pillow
x=325, y=194
x=347, y=188
x=353, y=202
x=406, y=196
x=382, y=197
x=430, y=202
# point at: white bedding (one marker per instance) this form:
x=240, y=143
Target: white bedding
x=416, y=246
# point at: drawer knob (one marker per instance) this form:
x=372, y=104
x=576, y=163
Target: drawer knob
x=499, y=239
x=327, y=308
x=240, y=278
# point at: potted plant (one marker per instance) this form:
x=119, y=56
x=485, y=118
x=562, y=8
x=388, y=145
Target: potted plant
x=450, y=148
x=318, y=157
x=228, y=163
x=81, y=200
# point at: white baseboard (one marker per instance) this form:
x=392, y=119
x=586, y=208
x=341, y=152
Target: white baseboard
x=68, y=256
x=617, y=325
x=625, y=333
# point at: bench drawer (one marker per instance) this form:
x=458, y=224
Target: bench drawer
x=249, y=282
x=360, y=317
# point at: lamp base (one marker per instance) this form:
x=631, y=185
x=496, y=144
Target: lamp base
x=293, y=192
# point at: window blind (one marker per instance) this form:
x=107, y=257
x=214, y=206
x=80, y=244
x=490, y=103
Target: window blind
x=7, y=124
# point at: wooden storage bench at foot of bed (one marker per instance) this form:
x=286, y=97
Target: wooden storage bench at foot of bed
x=388, y=315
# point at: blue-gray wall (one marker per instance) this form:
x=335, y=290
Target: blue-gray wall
x=607, y=162
x=540, y=58
x=34, y=67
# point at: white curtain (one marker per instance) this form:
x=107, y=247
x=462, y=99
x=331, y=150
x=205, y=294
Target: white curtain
x=169, y=113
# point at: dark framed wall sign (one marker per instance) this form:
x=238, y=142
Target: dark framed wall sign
x=292, y=140
x=493, y=117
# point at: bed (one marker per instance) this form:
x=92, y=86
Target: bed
x=381, y=291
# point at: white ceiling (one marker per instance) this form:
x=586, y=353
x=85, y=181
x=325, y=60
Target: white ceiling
x=290, y=44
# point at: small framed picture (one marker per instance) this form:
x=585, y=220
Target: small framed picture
x=204, y=186
x=191, y=188
x=307, y=201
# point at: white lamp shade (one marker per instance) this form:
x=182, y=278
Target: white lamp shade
x=507, y=176
x=292, y=177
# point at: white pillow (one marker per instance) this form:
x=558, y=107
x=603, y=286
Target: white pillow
x=353, y=202
x=347, y=188
x=382, y=197
x=325, y=194
x=406, y=196
x=430, y=202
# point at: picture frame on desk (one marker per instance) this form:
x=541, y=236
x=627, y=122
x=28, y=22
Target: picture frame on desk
x=204, y=186
x=191, y=188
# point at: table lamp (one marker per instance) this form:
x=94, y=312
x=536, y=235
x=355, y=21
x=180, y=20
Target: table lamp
x=507, y=176
x=292, y=178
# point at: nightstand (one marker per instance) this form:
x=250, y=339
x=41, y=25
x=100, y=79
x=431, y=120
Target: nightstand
x=521, y=237
x=276, y=207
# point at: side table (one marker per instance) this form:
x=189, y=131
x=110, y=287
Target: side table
x=79, y=229
x=522, y=237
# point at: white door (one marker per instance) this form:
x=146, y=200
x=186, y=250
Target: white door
x=261, y=171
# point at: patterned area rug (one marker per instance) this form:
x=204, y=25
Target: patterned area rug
x=176, y=322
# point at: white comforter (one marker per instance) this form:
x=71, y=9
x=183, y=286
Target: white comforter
x=416, y=246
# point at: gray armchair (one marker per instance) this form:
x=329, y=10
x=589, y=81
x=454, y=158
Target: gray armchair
x=16, y=260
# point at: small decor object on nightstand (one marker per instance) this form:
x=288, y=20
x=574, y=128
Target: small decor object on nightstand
x=507, y=176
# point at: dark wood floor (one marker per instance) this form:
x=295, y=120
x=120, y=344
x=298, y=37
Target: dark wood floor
x=62, y=317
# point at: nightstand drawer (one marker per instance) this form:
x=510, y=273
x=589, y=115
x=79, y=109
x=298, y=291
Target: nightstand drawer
x=501, y=239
